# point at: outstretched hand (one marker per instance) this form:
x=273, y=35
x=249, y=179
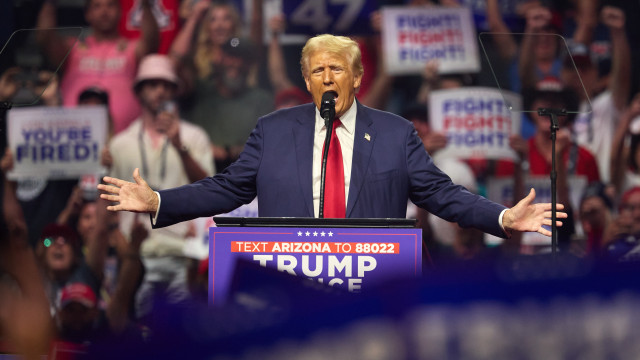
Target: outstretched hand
x=526, y=216
x=135, y=197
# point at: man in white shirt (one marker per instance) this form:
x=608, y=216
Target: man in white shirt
x=170, y=152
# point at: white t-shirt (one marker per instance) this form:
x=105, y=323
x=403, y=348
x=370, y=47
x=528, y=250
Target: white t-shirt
x=127, y=155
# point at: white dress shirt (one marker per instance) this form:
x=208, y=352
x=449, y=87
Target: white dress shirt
x=346, y=133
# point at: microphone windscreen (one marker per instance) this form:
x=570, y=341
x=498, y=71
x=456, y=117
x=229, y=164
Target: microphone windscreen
x=328, y=105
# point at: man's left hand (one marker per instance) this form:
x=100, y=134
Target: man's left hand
x=526, y=216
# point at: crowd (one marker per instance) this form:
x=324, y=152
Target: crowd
x=182, y=103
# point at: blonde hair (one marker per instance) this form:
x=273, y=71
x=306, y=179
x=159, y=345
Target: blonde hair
x=204, y=47
x=339, y=45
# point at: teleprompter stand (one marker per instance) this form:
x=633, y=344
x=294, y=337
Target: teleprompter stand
x=554, y=126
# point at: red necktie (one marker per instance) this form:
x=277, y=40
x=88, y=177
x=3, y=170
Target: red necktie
x=334, y=202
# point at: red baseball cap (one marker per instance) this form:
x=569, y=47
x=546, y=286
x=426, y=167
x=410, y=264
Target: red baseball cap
x=78, y=292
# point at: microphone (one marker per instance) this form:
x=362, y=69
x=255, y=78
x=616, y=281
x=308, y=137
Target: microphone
x=328, y=113
x=328, y=106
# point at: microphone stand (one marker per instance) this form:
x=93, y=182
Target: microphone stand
x=328, y=121
x=553, y=116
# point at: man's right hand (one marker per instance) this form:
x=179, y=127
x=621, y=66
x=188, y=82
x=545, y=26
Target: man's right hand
x=135, y=197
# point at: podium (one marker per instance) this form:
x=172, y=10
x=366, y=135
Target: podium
x=350, y=254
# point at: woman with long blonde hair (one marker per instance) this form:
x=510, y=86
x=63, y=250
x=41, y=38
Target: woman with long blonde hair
x=210, y=25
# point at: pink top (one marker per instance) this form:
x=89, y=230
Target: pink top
x=110, y=65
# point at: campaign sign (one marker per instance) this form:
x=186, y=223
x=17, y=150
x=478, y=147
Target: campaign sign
x=56, y=143
x=411, y=36
x=501, y=191
x=354, y=259
x=312, y=17
x=476, y=121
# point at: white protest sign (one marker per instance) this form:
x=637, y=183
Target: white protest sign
x=411, y=36
x=56, y=143
x=500, y=190
x=476, y=122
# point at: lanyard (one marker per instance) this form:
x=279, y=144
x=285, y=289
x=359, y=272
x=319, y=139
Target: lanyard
x=143, y=155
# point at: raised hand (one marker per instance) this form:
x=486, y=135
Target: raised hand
x=134, y=197
x=526, y=216
x=200, y=8
x=613, y=17
x=430, y=71
x=538, y=18
x=277, y=24
x=8, y=83
x=168, y=123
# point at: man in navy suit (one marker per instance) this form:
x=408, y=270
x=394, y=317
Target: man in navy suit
x=384, y=164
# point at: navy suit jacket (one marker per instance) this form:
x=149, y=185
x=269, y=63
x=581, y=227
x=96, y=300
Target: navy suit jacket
x=390, y=165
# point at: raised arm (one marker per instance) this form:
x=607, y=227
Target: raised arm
x=53, y=44
x=98, y=241
x=131, y=270
x=507, y=47
x=275, y=60
x=181, y=45
x=430, y=81
x=72, y=209
x=25, y=315
x=586, y=21
x=378, y=93
x=537, y=18
x=13, y=216
x=620, y=81
x=256, y=32
x=150, y=34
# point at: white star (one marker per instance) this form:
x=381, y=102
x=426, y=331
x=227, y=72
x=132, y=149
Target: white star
x=322, y=233
x=330, y=233
x=299, y=233
x=315, y=233
x=307, y=233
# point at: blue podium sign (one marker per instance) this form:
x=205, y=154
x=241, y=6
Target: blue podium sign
x=351, y=258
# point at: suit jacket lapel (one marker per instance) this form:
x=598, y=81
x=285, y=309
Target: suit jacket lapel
x=364, y=138
x=303, y=133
